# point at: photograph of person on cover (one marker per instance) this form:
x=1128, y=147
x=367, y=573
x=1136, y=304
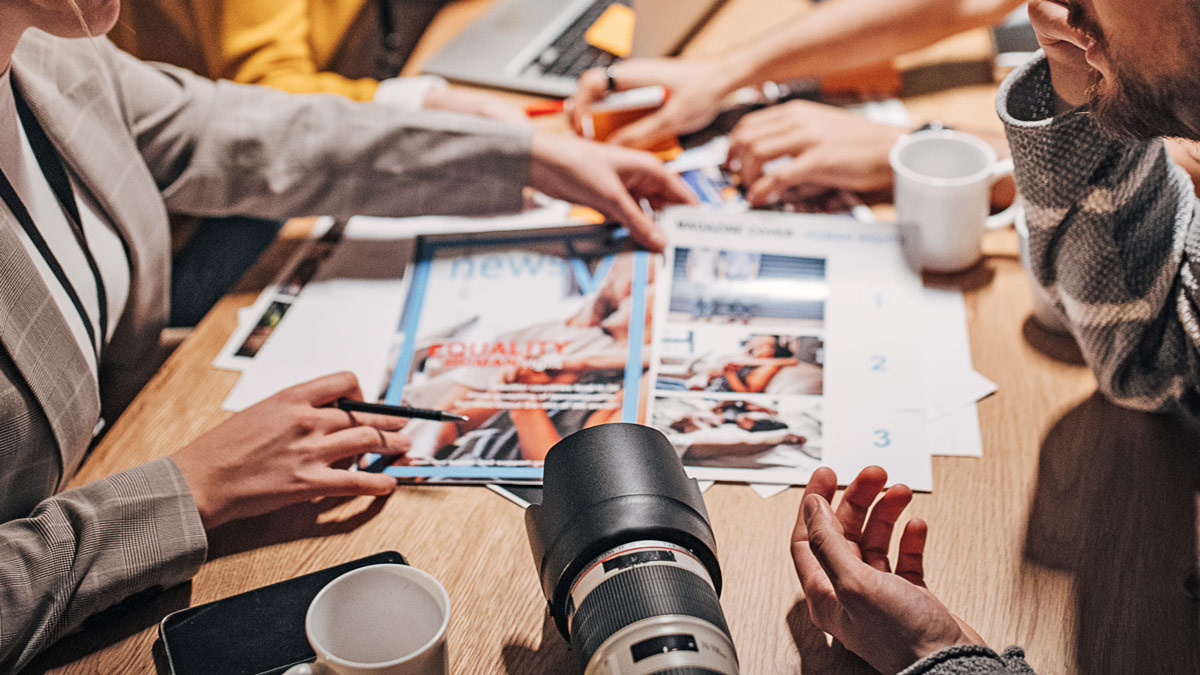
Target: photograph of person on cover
x=525, y=387
x=727, y=286
x=741, y=434
x=730, y=359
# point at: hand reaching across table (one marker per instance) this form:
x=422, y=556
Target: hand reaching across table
x=829, y=149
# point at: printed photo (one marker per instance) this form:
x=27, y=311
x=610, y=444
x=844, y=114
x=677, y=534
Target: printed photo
x=728, y=359
x=729, y=286
x=741, y=434
x=263, y=328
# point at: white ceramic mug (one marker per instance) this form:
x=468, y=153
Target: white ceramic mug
x=378, y=620
x=944, y=180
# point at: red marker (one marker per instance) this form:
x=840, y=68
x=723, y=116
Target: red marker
x=550, y=107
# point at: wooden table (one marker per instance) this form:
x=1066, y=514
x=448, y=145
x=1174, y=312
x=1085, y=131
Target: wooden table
x=1072, y=536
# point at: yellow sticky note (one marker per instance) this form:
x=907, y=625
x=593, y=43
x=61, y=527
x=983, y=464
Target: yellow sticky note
x=613, y=31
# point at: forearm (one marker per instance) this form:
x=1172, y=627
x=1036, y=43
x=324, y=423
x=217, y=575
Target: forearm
x=1112, y=238
x=87, y=549
x=841, y=35
x=972, y=660
x=217, y=149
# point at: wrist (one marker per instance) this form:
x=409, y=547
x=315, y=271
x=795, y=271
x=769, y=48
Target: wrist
x=198, y=486
x=737, y=69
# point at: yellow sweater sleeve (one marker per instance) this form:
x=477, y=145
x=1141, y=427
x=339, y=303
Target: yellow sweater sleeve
x=268, y=42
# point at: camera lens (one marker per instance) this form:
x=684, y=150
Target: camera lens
x=627, y=558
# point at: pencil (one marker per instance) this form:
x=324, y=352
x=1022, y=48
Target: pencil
x=350, y=405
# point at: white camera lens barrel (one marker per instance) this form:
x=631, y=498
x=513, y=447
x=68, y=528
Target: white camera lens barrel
x=649, y=607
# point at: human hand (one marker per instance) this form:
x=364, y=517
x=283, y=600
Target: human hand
x=1065, y=47
x=890, y=619
x=472, y=102
x=696, y=90
x=831, y=149
x=608, y=179
x=282, y=451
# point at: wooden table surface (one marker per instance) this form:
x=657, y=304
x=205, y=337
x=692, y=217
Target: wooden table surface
x=1072, y=536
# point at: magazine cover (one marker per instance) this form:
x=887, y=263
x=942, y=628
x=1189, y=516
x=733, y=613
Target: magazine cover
x=532, y=336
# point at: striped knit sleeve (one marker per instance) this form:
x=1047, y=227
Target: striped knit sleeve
x=1114, y=238
x=972, y=660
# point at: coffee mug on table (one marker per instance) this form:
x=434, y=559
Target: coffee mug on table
x=943, y=188
x=378, y=620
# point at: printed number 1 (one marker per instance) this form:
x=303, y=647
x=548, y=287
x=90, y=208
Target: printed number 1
x=879, y=363
x=882, y=439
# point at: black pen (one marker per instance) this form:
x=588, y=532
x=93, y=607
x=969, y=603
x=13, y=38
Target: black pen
x=350, y=405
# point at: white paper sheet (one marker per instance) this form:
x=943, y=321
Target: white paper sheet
x=952, y=386
x=344, y=319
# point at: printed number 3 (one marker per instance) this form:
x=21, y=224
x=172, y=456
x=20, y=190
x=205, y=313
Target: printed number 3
x=882, y=439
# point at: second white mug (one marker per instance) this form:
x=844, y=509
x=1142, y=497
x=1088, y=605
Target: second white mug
x=378, y=620
x=943, y=189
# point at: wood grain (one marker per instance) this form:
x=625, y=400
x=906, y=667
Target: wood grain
x=1072, y=536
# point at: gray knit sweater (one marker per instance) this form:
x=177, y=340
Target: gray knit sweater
x=1114, y=237
x=971, y=660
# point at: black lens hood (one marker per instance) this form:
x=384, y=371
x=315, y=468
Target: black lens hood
x=610, y=485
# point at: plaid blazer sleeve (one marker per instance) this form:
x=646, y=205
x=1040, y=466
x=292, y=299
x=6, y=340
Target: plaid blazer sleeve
x=87, y=549
x=1114, y=237
x=220, y=148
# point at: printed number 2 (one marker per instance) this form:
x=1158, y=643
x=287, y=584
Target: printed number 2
x=882, y=438
x=879, y=363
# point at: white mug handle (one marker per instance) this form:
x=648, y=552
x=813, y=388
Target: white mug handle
x=1006, y=217
x=305, y=669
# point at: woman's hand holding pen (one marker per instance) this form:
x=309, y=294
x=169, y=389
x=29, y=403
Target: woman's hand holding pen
x=609, y=179
x=285, y=449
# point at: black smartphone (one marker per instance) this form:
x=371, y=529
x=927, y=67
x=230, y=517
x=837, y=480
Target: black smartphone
x=259, y=632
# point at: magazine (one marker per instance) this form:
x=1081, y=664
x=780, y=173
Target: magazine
x=762, y=345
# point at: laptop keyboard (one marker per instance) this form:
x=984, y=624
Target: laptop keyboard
x=570, y=55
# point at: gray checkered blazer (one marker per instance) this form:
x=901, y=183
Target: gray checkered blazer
x=1114, y=236
x=143, y=139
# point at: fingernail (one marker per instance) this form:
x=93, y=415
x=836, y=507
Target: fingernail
x=810, y=507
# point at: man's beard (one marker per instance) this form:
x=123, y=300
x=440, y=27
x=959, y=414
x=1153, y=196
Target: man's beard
x=1138, y=105
x=1131, y=106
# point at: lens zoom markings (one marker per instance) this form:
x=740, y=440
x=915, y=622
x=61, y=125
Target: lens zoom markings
x=641, y=593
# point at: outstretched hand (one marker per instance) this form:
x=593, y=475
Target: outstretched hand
x=609, y=179
x=888, y=617
x=285, y=450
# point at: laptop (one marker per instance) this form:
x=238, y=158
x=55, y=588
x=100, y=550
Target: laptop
x=537, y=46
